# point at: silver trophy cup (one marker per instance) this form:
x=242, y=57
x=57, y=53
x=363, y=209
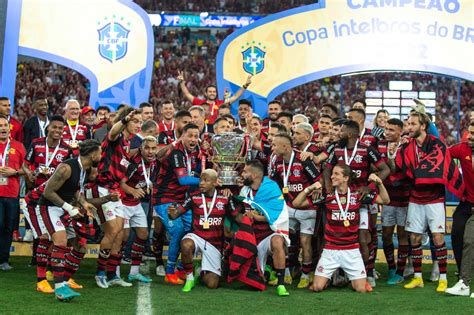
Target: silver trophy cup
x=228, y=151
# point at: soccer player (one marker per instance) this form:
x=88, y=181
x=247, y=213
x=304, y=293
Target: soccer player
x=74, y=132
x=324, y=128
x=112, y=168
x=341, y=248
x=181, y=119
x=285, y=118
x=395, y=213
x=294, y=175
x=147, y=111
x=274, y=108
x=211, y=95
x=269, y=242
x=330, y=110
x=361, y=158
x=66, y=184
x=209, y=208
x=244, y=111
x=138, y=184
x=224, y=109
x=298, y=119
x=148, y=128
x=167, y=115
x=177, y=173
x=46, y=153
x=365, y=136
x=425, y=159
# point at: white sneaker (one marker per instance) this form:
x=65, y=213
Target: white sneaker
x=160, y=271
x=101, y=281
x=434, y=272
x=118, y=282
x=371, y=281
x=472, y=296
x=6, y=267
x=28, y=236
x=459, y=289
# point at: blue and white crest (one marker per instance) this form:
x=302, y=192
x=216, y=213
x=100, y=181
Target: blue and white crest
x=113, y=41
x=254, y=62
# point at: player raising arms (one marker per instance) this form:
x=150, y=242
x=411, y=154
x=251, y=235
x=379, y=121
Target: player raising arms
x=341, y=249
x=209, y=208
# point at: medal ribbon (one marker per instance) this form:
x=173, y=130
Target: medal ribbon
x=43, y=126
x=286, y=174
x=146, y=174
x=4, y=156
x=48, y=160
x=344, y=212
x=211, y=207
x=348, y=162
x=82, y=177
x=73, y=134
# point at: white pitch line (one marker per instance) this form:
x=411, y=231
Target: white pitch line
x=144, y=305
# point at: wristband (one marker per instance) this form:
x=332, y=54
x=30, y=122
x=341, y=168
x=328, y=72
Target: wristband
x=70, y=209
x=306, y=190
x=245, y=86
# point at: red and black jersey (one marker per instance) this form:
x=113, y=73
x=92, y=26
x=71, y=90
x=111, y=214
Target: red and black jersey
x=135, y=178
x=261, y=229
x=163, y=126
x=223, y=206
x=166, y=137
x=336, y=235
x=34, y=195
x=174, y=166
x=82, y=134
x=398, y=185
x=114, y=162
x=302, y=174
x=36, y=158
x=368, y=138
x=364, y=157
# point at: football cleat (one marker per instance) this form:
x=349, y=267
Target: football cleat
x=181, y=274
x=44, y=287
x=416, y=282
x=371, y=281
x=73, y=284
x=188, y=286
x=395, y=279
x=304, y=283
x=173, y=279
x=160, y=271
x=139, y=277
x=459, y=289
x=101, y=280
x=288, y=280
x=118, y=282
x=442, y=286
x=65, y=293
x=281, y=290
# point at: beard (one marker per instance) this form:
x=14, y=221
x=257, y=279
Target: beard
x=248, y=182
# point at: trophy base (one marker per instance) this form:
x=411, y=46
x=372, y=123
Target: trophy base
x=228, y=178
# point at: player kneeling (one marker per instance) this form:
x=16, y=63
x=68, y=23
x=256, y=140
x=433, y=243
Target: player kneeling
x=209, y=209
x=341, y=249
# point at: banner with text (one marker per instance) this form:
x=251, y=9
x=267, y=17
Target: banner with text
x=335, y=37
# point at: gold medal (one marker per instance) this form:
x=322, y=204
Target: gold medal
x=205, y=225
x=148, y=190
x=285, y=190
x=45, y=170
x=343, y=200
x=74, y=144
x=347, y=223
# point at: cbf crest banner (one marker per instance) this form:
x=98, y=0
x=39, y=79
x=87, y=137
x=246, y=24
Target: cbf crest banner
x=333, y=37
x=110, y=42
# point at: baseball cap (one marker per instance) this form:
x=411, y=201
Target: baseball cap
x=87, y=109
